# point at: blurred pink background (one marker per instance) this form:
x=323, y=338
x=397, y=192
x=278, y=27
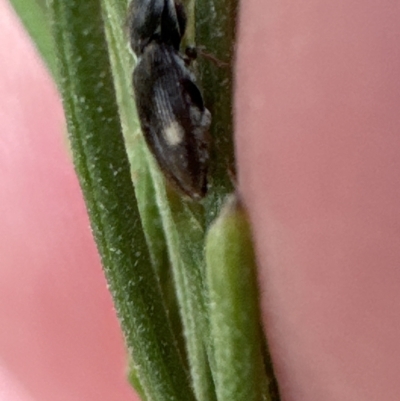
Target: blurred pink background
x=59, y=337
x=318, y=147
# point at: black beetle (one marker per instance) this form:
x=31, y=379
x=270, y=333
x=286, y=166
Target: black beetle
x=171, y=110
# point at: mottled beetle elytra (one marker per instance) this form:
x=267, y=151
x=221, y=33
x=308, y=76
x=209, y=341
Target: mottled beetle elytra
x=171, y=110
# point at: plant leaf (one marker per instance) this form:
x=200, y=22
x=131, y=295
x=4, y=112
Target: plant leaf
x=182, y=232
x=234, y=312
x=101, y=162
x=34, y=16
x=216, y=31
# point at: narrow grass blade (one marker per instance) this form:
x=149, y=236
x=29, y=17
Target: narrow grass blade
x=34, y=16
x=169, y=222
x=185, y=241
x=101, y=162
x=215, y=33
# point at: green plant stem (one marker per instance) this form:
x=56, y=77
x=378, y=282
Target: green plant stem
x=185, y=241
x=215, y=31
x=102, y=165
x=34, y=16
x=169, y=222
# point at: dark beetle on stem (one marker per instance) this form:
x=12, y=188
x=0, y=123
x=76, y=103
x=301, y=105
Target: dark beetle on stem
x=171, y=110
